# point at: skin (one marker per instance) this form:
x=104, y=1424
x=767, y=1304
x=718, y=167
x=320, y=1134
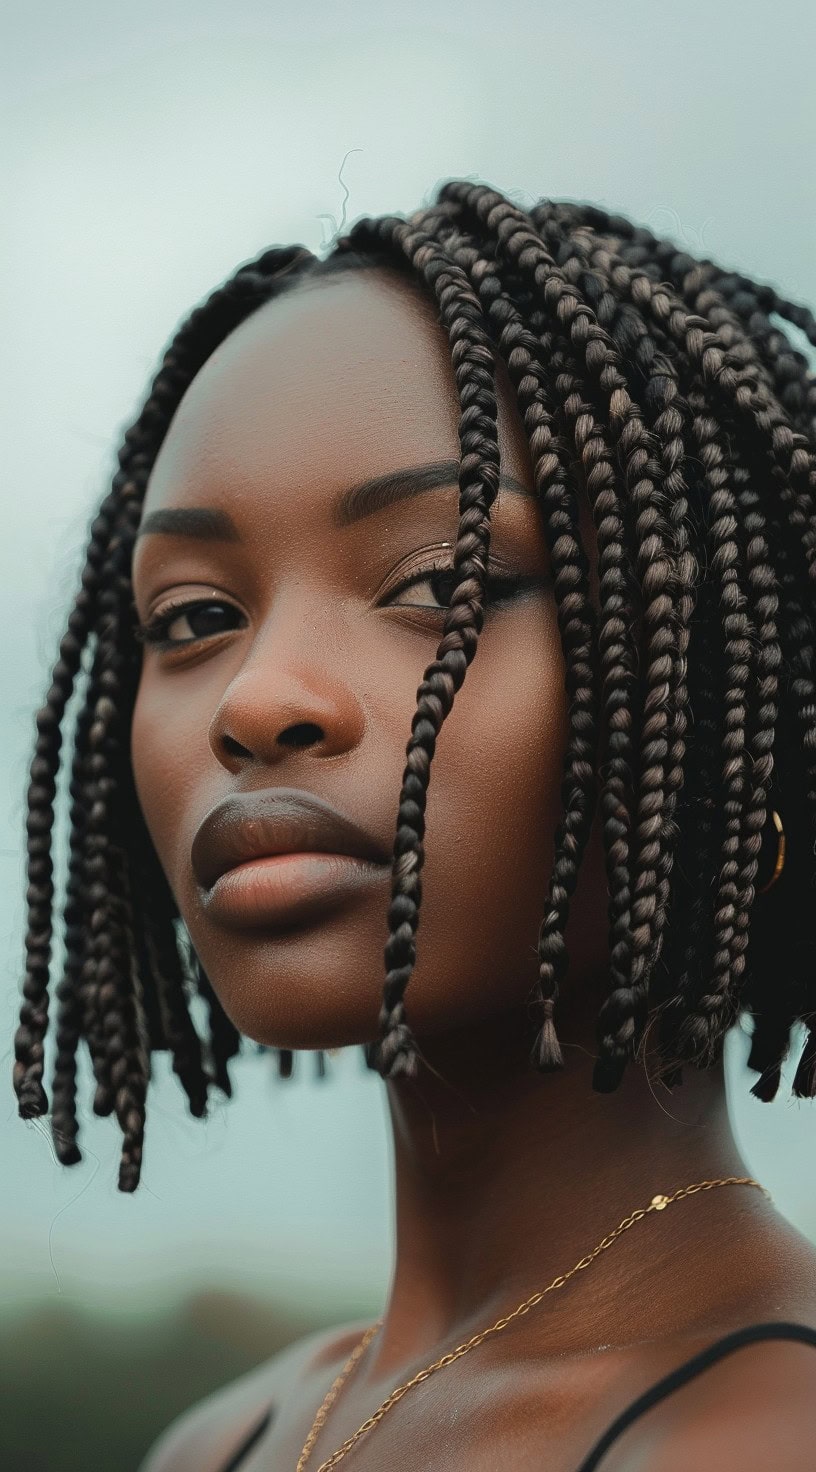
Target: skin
x=504, y=1177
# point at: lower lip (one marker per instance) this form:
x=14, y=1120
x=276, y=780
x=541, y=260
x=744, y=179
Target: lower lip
x=288, y=888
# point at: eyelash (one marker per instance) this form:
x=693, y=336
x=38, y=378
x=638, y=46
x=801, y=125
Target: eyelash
x=154, y=631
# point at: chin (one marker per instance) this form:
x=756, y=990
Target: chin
x=321, y=987
x=286, y=1016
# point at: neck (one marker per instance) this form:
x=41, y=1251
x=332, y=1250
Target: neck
x=506, y=1177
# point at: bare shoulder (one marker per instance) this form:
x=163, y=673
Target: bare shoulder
x=754, y=1408
x=204, y=1437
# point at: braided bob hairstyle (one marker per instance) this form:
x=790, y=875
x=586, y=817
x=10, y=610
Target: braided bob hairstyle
x=667, y=391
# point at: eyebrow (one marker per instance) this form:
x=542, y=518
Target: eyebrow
x=353, y=505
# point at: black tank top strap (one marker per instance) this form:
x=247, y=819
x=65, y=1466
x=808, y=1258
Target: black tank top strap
x=248, y=1442
x=775, y=1329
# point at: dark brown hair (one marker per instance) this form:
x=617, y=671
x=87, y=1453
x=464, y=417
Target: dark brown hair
x=666, y=390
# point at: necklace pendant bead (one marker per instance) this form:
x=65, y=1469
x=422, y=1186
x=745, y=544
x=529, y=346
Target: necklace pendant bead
x=659, y=1202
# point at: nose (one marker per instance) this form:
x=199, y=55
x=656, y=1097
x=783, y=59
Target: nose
x=292, y=691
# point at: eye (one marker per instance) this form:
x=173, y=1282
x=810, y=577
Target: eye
x=440, y=577
x=203, y=615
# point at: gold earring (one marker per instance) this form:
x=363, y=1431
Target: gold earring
x=780, y=852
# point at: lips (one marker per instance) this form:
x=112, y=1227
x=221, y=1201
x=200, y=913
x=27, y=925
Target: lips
x=276, y=820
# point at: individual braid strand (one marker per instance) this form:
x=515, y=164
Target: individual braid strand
x=520, y=351
x=472, y=358
x=615, y=641
x=196, y=339
x=703, y=350
x=623, y=1014
x=64, y=1127
x=30, y=1034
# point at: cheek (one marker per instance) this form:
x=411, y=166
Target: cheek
x=162, y=741
x=493, y=806
x=142, y=760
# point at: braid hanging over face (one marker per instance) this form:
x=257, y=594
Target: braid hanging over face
x=666, y=391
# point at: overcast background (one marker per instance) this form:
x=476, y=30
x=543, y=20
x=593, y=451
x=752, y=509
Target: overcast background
x=146, y=151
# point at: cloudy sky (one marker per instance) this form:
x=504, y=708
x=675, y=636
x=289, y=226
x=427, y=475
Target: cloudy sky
x=149, y=149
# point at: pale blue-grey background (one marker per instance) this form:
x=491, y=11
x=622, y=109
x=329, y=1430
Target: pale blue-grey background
x=146, y=151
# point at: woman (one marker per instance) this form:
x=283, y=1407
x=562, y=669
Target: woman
x=566, y=471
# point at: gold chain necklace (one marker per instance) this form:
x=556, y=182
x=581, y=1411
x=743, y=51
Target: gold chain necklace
x=657, y=1203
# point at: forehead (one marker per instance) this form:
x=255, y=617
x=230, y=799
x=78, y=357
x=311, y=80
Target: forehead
x=338, y=380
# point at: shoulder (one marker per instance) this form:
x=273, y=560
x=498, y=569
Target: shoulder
x=751, y=1409
x=204, y=1437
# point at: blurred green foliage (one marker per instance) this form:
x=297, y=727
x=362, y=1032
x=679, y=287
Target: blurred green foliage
x=82, y=1392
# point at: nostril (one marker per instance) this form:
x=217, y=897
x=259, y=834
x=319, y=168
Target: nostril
x=234, y=747
x=304, y=734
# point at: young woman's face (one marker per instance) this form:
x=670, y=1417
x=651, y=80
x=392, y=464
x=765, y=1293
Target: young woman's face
x=303, y=672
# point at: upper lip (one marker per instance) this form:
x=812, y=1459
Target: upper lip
x=275, y=820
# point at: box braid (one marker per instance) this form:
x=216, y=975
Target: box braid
x=652, y=372
x=775, y=368
x=656, y=564
x=472, y=359
x=109, y=973
x=617, y=669
x=72, y=1013
x=579, y=687
x=659, y=385
x=739, y=850
x=519, y=349
x=613, y=315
